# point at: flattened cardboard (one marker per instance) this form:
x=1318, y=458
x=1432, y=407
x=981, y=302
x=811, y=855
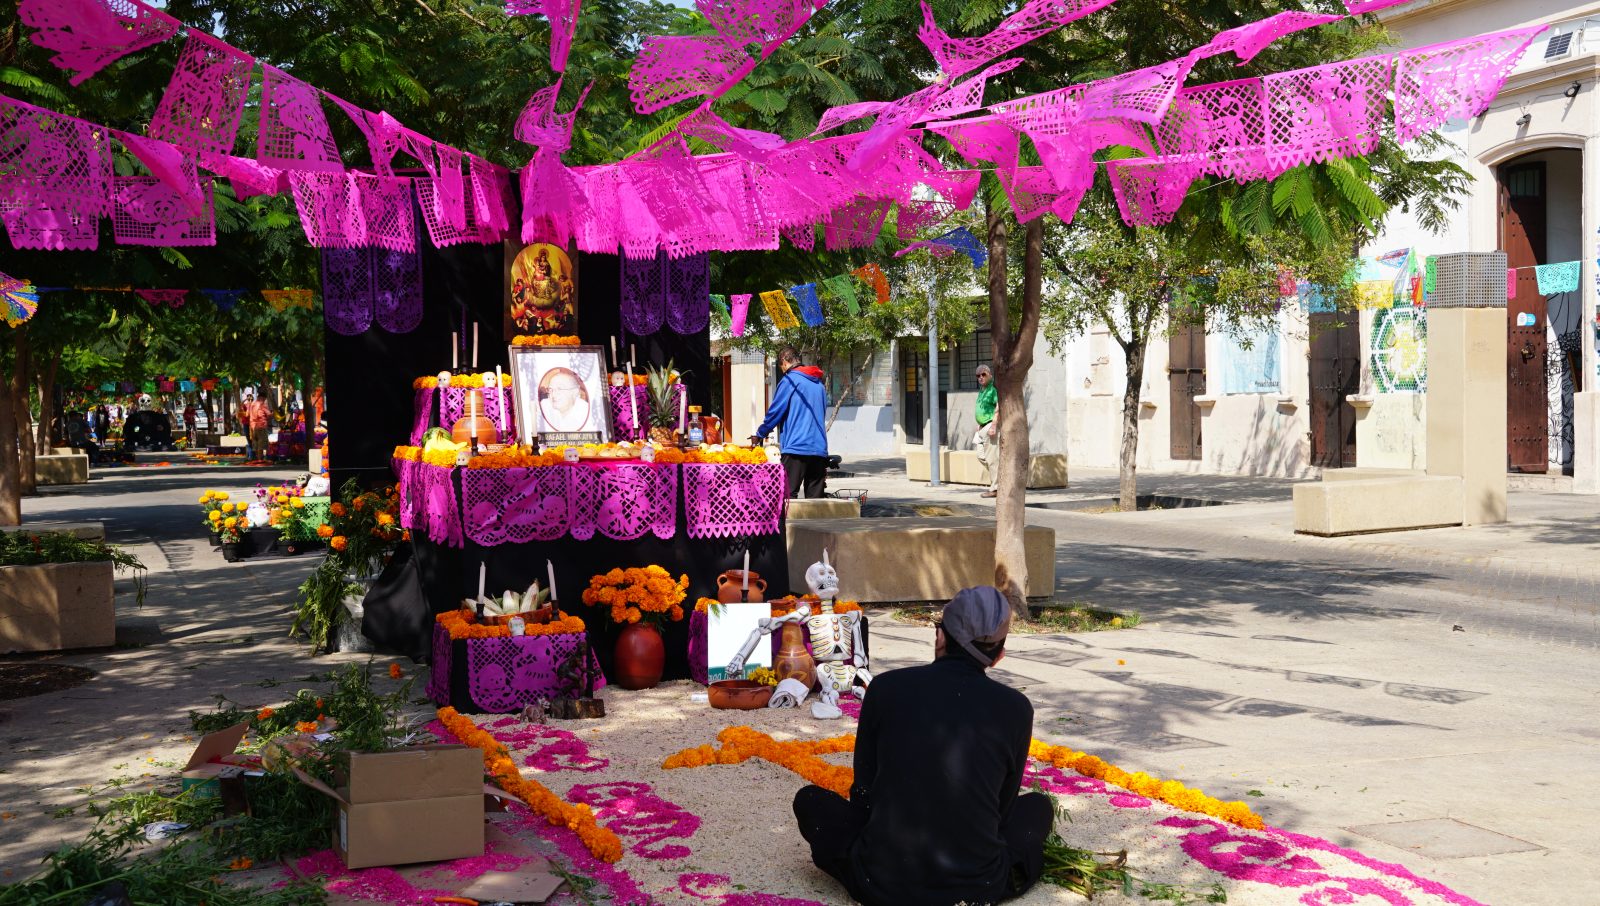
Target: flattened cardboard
x=409, y=830
x=417, y=772
x=521, y=887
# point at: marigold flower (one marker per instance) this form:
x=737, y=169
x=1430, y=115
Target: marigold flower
x=222, y=495
x=298, y=503
x=242, y=863
x=395, y=672
x=227, y=507
x=264, y=713
x=230, y=522
x=215, y=516
x=338, y=542
x=324, y=531
x=336, y=509
x=360, y=502
x=385, y=519
x=306, y=726
x=206, y=497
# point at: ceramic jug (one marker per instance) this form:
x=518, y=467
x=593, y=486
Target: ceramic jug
x=730, y=587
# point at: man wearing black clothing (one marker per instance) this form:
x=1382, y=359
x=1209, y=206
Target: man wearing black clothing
x=934, y=816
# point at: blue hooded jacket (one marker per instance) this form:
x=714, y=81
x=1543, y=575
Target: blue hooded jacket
x=799, y=408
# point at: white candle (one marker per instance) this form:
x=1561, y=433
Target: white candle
x=745, y=583
x=483, y=576
x=455, y=351
x=614, y=352
x=474, y=346
x=550, y=569
x=683, y=409
x=500, y=391
x=630, y=355
x=633, y=398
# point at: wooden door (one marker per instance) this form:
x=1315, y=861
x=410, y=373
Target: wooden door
x=913, y=379
x=1335, y=376
x=1186, y=378
x=1522, y=237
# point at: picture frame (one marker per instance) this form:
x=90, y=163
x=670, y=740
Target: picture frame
x=560, y=395
x=541, y=285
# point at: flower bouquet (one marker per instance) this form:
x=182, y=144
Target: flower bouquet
x=640, y=599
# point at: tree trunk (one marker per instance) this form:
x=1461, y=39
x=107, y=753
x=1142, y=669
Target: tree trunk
x=10, y=464
x=1013, y=357
x=28, y=476
x=1128, y=458
x=52, y=422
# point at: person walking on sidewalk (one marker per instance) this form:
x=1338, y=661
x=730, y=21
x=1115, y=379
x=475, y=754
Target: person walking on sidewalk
x=798, y=410
x=987, y=439
x=255, y=415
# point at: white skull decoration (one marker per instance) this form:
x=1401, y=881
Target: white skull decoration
x=144, y=401
x=822, y=579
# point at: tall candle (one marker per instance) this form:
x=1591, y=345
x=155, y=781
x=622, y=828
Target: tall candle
x=745, y=584
x=550, y=570
x=683, y=408
x=630, y=354
x=614, y=362
x=455, y=351
x=474, y=345
x=633, y=398
x=500, y=391
x=483, y=577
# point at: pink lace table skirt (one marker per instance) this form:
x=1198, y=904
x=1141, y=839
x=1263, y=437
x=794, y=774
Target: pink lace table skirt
x=455, y=403
x=623, y=501
x=504, y=675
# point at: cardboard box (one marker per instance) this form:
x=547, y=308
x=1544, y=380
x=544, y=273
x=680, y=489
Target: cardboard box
x=207, y=761
x=420, y=804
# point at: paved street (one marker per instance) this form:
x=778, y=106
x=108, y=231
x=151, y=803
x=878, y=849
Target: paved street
x=1327, y=676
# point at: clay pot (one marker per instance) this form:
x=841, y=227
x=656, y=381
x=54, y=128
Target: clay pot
x=712, y=427
x=472, y=418
x=739, y=694
x=729, y=590
x=640, y=657
x=793, y=660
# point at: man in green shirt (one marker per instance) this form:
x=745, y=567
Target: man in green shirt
x=987, y=440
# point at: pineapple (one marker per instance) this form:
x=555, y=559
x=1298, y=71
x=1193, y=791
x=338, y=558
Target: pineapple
x=663, y=404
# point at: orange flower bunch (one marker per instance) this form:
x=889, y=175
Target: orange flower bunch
x=740, y=744
x=435, y=458
x=515, y=457
x=462, y=380
x=463, y=624
x=542, y=340
x=635, y=594
x=783, y=606
x=602, y=843
x=1171, y=792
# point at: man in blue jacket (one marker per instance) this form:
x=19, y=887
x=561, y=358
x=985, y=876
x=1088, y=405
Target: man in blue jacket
x=798, y=409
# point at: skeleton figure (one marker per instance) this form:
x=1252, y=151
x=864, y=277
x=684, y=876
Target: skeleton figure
x=835, y=641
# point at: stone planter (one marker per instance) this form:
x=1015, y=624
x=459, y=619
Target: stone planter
x=56, y=606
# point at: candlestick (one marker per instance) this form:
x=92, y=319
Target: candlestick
x=500, y=393
x=474, y=346
x=630, y=355
x=555, y=603
x=614, y=361
x=455, y=351
x=633, y=399
x=483, y=577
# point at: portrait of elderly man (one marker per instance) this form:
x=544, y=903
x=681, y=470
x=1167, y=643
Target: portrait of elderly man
x=563, y=401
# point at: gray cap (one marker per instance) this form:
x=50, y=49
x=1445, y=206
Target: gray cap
x=979, y=614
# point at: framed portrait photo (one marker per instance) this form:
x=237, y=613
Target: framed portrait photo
x=560, y=394
x=542, y=283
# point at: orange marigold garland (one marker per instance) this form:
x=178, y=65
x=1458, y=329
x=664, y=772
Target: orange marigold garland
x=543, y=340
x=603, y=844
x=463, y=624
x=785, y=605
x=461, y=380
x=740, y=744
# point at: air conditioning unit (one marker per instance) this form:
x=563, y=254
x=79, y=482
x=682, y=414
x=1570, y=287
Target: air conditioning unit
x=1559, y=46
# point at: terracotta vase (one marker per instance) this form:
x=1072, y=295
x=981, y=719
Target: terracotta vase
x=472, y=418
x=640, y=657
x=793, y=660
x=731, y=590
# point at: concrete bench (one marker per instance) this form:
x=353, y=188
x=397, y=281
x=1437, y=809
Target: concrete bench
x=56, y=606
x=1342, y=507
x=1045, y=470
x=915, y=558
x=69, y=468
x=1366, y=473
x=89, y=530
x=800, y=510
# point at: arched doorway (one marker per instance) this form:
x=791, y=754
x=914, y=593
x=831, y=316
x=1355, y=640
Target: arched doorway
x=1540, y=220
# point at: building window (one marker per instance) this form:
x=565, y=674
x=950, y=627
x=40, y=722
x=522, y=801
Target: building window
x=979, y=350
x=874, y=380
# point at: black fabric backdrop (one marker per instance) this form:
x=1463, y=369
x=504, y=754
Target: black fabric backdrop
x=370, y=411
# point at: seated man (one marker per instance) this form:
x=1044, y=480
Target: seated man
x=934, y=816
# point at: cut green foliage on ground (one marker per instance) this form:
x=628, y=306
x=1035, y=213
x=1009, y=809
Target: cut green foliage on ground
x=1064, y=617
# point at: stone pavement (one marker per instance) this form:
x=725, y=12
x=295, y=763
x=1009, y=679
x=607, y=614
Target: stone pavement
x=1423, y=697
x=1325, y=675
